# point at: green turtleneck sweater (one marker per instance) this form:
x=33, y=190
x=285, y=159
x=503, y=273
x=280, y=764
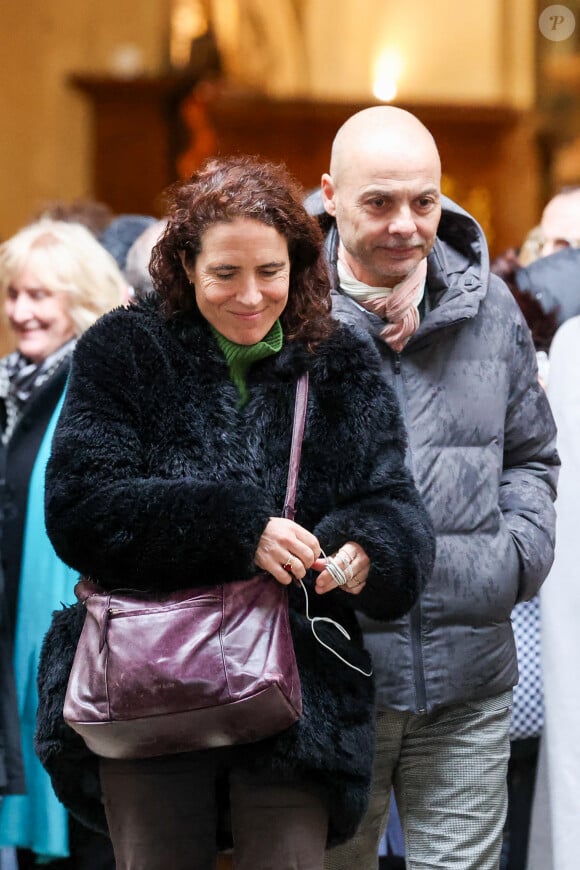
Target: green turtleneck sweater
x=240, y=357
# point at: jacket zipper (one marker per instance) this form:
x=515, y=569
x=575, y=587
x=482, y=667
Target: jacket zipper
x=416, y=615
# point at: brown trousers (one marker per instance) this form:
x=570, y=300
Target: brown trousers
x=163, y=815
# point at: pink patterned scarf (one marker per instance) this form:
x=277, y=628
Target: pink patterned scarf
x=398, y=305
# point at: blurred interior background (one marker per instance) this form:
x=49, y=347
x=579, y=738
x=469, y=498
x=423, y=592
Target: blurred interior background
x=112, y=100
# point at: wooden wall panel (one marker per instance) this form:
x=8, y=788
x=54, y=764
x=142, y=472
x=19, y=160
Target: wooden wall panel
x=149, y=132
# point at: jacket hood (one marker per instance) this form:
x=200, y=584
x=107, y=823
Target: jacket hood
x=458, y=267
x=554, y=282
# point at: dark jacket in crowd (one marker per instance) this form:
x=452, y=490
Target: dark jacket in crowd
x=11, y=766
x=554, y=282
x=17, y=459
x=152, y=444
x=482, y=451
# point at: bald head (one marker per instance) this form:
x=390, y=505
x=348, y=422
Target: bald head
x=560, y=227
x=384, y=189
x=385, y=132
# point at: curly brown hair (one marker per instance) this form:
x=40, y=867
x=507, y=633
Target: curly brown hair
x=222, y=190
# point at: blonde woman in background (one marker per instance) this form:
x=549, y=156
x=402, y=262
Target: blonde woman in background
x=55, y=281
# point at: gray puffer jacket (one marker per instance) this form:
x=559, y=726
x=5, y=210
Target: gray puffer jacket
x=482, y=449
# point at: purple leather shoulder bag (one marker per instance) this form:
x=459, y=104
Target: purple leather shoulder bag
x=200, y=668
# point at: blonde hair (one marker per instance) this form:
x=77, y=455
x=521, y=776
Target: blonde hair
x=67, y=259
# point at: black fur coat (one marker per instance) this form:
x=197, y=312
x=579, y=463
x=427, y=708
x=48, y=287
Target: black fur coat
x=158, y=480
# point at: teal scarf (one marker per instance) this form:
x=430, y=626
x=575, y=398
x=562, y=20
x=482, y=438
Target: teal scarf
x=36, y=820
x=240, y=357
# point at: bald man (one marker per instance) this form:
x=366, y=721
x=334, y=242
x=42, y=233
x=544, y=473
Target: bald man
x=411, y=269
x=560, y=224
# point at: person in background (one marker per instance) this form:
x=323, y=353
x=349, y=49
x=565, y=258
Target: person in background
x=544, y=277
x=548, y=292
x=560, y=224
x=120, y=234
x=138, y=259
x=55, y=281
x=543, y=272
x=177, y=478
x=547, y=277
x=410, y=268
x=11, y=766
x=11, y=763
x=94, y=215
x=558, y=230
x=555, y=836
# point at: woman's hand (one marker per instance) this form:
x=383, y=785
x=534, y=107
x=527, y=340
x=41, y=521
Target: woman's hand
x=286, y=550
x=354, y=564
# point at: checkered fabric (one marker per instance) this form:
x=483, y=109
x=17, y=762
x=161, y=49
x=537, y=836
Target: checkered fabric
x=449, y=771
x=528, y=707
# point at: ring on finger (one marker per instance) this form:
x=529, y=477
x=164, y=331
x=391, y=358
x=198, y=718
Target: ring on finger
x=347, y=567
x=287, y=566
x=346, y=555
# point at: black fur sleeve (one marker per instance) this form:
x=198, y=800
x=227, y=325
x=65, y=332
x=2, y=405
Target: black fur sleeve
x=108, y=514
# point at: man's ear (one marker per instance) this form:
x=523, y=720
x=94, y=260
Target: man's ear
x=327, y=188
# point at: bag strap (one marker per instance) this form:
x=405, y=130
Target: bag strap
x=300, y=406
